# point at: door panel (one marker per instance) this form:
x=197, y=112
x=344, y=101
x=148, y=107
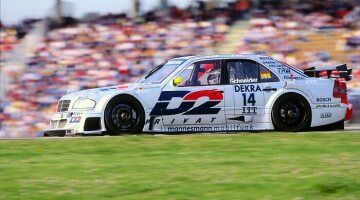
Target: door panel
x=244, y=83
x=202, y=105
x=248, y=101
x=198, y=100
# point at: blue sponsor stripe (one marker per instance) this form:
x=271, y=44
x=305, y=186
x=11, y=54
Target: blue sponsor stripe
x=168, y=95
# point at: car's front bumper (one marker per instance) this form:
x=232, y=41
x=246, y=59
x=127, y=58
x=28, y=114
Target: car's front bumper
x=73, y=123
x=59, y=132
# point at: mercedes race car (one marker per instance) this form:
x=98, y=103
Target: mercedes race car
x=217, y=93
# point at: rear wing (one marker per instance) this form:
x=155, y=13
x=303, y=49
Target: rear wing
x=334, y=71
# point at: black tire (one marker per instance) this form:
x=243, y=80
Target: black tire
x=291, y=112
x=124, y=115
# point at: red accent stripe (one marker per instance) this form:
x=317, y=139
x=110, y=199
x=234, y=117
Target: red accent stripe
x=212, y=94
x=122, y=86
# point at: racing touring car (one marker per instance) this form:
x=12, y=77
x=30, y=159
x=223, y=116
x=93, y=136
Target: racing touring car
x=217, y=93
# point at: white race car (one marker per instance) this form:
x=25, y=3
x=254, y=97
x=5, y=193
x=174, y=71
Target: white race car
x=216, y=93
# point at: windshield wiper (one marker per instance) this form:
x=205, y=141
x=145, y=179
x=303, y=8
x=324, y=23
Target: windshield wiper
x=154, y=70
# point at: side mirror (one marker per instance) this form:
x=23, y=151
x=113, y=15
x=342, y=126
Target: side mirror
x=177, y=81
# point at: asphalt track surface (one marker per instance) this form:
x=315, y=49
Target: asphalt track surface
x=354, y=128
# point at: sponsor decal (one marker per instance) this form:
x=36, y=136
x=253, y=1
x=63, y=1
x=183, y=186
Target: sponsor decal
x=325, y=115
x=157, y=121
x=122, y=86
x=336, y=105
x=114, y=88
x=249, y=110
x=283, y=70
x=247, y=80
x=248, y=94
x=323, y=99
x=269, y=62
x=75, y=120
x=247, y=88
x=265, y=58
x=278, y=66
x=292, y=77
x=189, y=100
x=76, y=113
x=106, y=89
x=184, y=120
x=265, y=75
x=235, y=127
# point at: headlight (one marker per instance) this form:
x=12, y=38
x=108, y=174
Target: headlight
x=84, y=103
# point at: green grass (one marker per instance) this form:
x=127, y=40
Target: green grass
x=241, y=166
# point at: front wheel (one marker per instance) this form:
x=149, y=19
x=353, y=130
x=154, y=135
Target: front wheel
x=124, y=115
x=291, y=113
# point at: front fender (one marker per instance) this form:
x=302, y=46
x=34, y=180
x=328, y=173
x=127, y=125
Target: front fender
x=104, y=100
x=147, y=98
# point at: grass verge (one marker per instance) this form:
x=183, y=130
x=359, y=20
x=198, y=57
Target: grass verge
x=240, y=166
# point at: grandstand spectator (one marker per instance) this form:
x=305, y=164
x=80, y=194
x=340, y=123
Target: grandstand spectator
x=109, y=51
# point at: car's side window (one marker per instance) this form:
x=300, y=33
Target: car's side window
x=266, y=75
x=242, y=71
x=185, y=75
x=201, y=74
x=248, y=71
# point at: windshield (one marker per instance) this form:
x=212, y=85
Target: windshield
x=158, y=74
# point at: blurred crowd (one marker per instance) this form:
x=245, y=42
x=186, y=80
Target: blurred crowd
x=110, y=50
x=300, y=37
x=307, y=34
x=8, y=39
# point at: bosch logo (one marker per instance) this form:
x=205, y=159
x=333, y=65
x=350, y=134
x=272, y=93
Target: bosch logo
x=323, y=99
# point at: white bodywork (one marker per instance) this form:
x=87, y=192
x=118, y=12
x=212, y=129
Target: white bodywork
x=317, y=91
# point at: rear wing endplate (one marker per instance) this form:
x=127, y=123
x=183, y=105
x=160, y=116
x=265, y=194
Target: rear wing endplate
x=333, y=71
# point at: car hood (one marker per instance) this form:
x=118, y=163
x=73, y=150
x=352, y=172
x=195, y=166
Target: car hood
x=97, y=93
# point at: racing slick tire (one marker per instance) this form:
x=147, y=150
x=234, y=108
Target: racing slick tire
x=291, y=112
x=124, y=115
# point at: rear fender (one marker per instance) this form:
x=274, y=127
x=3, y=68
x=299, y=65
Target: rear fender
x=273, y=98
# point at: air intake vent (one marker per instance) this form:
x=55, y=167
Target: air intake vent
x=92, y=124
x=63, y=106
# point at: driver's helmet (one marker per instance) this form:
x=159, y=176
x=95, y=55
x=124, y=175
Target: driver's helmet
x=213, y=78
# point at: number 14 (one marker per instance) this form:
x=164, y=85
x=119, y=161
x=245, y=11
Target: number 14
x=250, y=100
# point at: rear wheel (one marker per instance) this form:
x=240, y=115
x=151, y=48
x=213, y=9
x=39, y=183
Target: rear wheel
x=124, y=115
x=291, y=112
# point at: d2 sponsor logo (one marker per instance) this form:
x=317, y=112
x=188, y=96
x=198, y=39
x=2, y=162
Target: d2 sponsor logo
x=75, y=120
x=189, y=100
